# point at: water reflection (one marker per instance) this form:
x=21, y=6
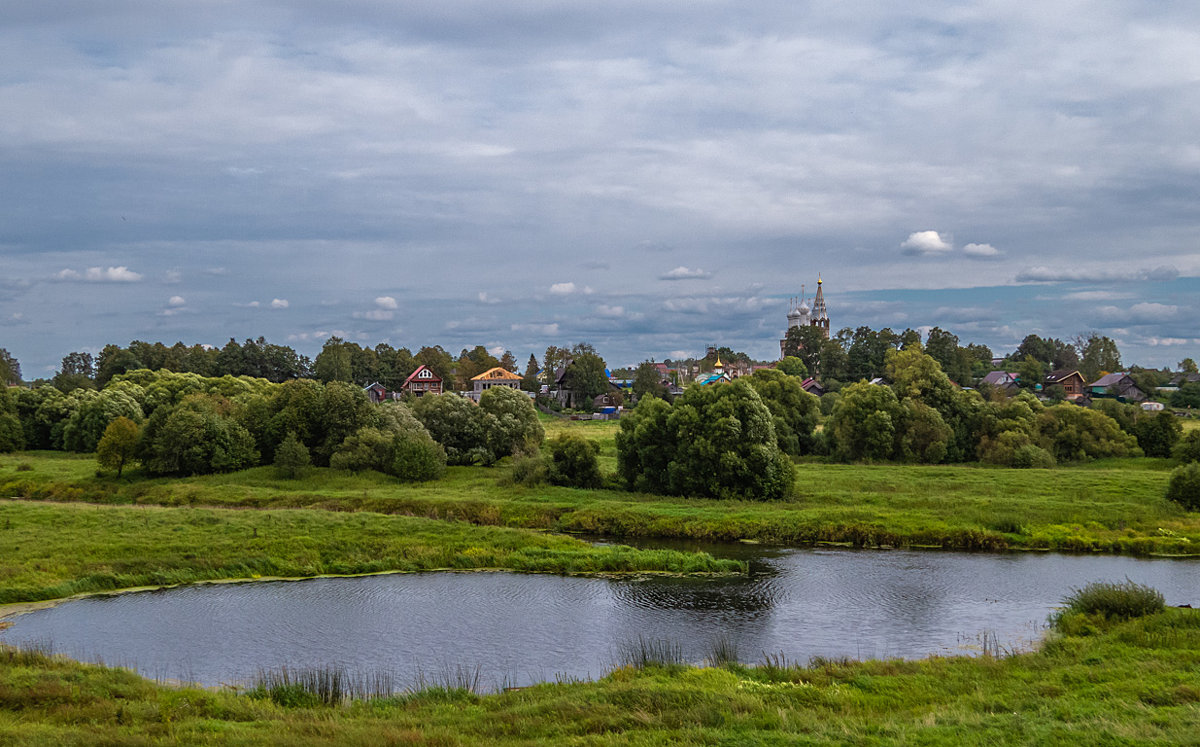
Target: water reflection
x=520, y=629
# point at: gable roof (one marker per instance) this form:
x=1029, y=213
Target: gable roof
x=1062, y=374
x=999, y=378
x=1110, y=379
x=496, y=374
x=420, y=368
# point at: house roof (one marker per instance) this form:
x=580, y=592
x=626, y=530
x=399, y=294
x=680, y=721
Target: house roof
x=374, y=385
x=1110, y=379
x=496, y=374
x=420, y=368
x=712, y=378
x=997, y=378
x=1061, y=375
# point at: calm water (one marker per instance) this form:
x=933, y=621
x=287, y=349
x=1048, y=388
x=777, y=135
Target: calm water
x=518, y=629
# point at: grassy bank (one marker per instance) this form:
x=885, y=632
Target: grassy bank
x=1125, y=683
x=1107, y=506
x=48, y=551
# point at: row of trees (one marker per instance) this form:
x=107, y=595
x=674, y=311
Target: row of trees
x=191, y=424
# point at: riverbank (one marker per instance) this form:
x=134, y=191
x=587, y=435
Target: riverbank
x=1129, y=683
x=59, y=550
x=1106, y=506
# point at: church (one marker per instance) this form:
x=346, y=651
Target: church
x=800, y=314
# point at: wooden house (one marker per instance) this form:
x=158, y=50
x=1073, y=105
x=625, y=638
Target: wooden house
x=421, y=382
x=1118, y=385
x=1072, y=382
x=376, y=392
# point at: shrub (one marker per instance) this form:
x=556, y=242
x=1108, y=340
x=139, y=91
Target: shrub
x=291, y=458
x=1158, y=434
x=198, y=436
x=1188, y=448
x=515, y=424
x=12, y=436
x=1031, y=456
x=457, y=424
x=1184, y=487
x=1117, y=601
x=573, y=461
x=529, y=469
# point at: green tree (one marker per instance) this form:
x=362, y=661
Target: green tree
x=1072, y=433
x=1187, y=365
x=198, y=436
x=647, y=381
x=457, y=424
x=529, y=382
x=514, y=424
x=1188, y=448
x=807, y=344
x=795, y=413
x=114, y=361
x=291, y=457
x=1184, y=486
x=864, y=422
x=585, y=377
x=96, y=410
x=335, y=361
x=1157, y=434
x=12, y=434
x=573, y=461
x=10, y=369
x=718, y=441
x=118, y=445
x=792, y=366
x=344, y=408
x=1188, y=396
x=1097, y=354
x=1030, y=373
x=76, y=370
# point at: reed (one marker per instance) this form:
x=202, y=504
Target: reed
x=649, y=652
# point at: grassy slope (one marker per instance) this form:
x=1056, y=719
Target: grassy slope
x=1111, y=505
x=1134, y=683
x=49, y=551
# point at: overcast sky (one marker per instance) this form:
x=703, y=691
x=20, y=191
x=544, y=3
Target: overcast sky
x=647, y=176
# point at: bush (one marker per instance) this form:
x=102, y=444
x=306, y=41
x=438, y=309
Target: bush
x=12, y=436
x=291, y=458
x=1158, y=434
x=198, y=436
x=1030, y=456
x=1184, y=487
x=515, y=425
x=573, y=461
x=529, y=469
x=1115, y=601
x=1188, y=448
x=118, y=445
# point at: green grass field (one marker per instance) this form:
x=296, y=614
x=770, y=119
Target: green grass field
x=1109, y=505
x=1135, y=682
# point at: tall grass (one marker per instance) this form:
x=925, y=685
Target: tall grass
x=646, y=652
x=1113, y=600
x=322, y=685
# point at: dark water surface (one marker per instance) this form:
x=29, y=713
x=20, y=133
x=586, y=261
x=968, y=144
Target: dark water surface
x=517, y=629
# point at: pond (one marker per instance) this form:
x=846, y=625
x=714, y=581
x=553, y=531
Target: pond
x=517, y=629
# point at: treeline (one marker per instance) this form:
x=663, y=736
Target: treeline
x=730, y=440
x=184, y=423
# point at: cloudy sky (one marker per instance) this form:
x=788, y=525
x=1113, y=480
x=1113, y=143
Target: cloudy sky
x=647, y=176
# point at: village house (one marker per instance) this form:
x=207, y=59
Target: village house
x=1001, y=380
x=1119, y=385
x=421, y=382
x=493, y=377
x=376, y=392
x=1072, y=382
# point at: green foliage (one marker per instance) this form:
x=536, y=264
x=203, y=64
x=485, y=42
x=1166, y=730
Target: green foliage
x=291, y=458
x=12, y=435
x=10, y=369
x=118, y=445
x=1188, y=448
x=1188, y=396
x=1114, y=600
x=1031, y=456
x=863, y=423
x=334, y=362
x=792, y=366
x=1184, y=487
x=573, y=461
x=457, y=424
x=1158, y=433
x=717, y=440
x=794, y=412
x=83, y=429
x=585, y=377
x=513, y=424
x=647, y=381
x=198, y=436
x=1072, y=433
x=408, y=453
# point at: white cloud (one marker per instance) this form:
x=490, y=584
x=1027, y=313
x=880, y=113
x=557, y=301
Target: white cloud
x=279, y=303
x=1168, y=341
x=562, y=289
x=981, y=251
x=176, y=301
x=172, y=276
x=685, y=273
x=375, y=315
x=1139, y=313
x=925, y=242
x=120, y=274
x=485, y=298
x=387, y=302
x=610, y=311
x=1043, y=274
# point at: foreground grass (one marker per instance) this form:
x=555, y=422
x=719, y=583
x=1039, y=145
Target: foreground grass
x=1127, y=683
x=1105, y=506
x=48, y=551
